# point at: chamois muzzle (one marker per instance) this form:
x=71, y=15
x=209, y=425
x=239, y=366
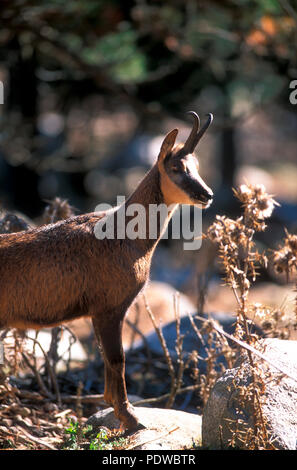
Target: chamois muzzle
x=206, y=197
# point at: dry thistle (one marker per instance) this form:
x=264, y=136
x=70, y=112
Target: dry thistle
x=236, y=246
x=257, y=204
x=57, y=209
x=11, y=223
x=285, y=260
x=240, y=260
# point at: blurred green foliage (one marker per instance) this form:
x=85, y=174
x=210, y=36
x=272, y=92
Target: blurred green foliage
x=153, y=58
x=148, y=48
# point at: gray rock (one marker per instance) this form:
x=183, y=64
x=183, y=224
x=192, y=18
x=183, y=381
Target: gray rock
x=279, y=402
x=160, y=297
x=163, y=429
x=191, y=342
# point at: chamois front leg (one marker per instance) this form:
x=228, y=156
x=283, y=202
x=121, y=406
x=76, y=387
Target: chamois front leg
x=109, y=334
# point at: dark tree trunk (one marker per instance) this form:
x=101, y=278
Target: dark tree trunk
x=228, y=161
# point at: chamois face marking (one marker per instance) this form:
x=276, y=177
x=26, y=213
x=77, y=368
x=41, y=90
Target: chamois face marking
x=183, y=171
x=181, y=182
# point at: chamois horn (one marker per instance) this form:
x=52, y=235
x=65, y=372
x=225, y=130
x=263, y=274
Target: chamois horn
x=196, y=133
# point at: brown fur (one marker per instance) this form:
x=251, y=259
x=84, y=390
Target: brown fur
x=59, y=272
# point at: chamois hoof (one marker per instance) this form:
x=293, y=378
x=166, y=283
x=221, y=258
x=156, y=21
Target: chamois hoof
x=129, y=421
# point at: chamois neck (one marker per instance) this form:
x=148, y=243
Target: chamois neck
x=148, y=195
x=149, y=190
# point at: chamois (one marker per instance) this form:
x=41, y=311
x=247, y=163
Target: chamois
x=62, y=271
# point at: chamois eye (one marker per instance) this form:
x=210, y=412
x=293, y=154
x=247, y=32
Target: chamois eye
x=175, y=169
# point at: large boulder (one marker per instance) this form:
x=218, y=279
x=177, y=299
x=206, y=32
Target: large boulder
x=162, y=429
x=191, y=342
x=279, y=400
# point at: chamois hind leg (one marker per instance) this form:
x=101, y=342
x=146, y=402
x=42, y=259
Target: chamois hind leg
x=109, y=334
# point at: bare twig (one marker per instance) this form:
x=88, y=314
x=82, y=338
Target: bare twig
x=164, y=347
x=34, y=439
x=179, y=351
x=79, y=412
x=250, y=348
x=85, y=399
x=49, y=368
x=144, y=340
x=38, y=378
x=190, y=388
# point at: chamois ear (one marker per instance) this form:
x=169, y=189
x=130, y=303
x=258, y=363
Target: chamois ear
x=167, y=144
